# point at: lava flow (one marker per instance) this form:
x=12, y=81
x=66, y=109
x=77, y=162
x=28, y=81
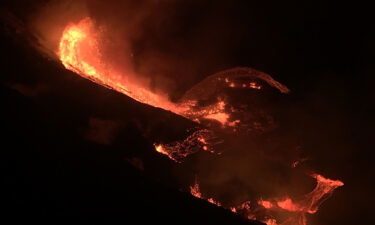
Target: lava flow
x=79, y=51
x=297, y=210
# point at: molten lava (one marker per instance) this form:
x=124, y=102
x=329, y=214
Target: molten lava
x=297, y=209
x=80, y=51
x=202, y=139
x=195, y=191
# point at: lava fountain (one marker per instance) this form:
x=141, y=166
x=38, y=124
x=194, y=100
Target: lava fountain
x=79, y=52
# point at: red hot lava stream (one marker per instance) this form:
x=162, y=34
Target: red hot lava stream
x=79, y=52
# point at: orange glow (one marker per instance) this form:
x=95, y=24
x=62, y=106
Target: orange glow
x=233, y=209
x=202, y=140
x=270, y=222
x=212, y=201
x=221, y=117
x=217, y=113
x=195, y=191
x=288, y=205
x=164, y=150
x=296, y=210
x=79, y=51
x=160, y=149
x=265, y=204
x=323, y=189
x=309, y=204
x=254, y=85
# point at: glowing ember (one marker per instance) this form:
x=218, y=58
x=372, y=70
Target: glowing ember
x=195, y=191
x=265, y=204
x=254, y=85
x=159, y=148
x=199, y=140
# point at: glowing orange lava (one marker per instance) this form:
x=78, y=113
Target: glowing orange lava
x=297, y=210
x=265, y=204
x=195, y=191
x=160, y=148
x=79, y=51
